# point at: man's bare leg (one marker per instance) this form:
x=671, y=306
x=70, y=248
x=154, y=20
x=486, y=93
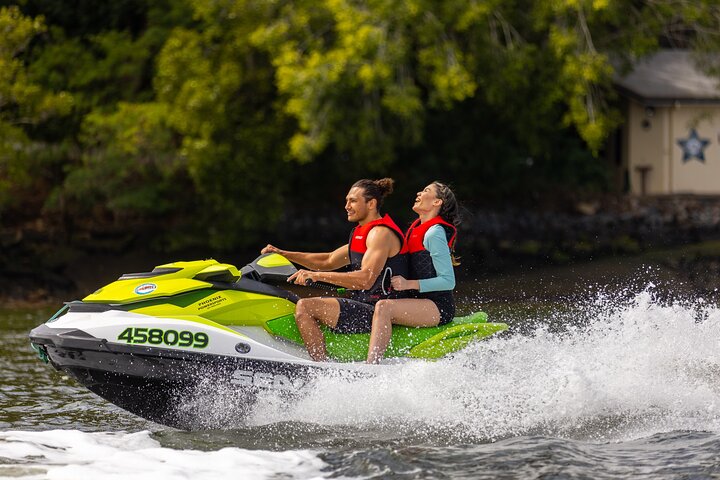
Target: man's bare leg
x=309, y=313
x=406, y=311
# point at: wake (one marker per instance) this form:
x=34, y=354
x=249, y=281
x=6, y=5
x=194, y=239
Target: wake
x=619, y=368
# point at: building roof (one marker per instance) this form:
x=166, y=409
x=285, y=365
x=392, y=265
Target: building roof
x=668, y=77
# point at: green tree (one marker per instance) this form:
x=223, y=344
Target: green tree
x=359, y=76
x=23, y=103
x=220, y=98
x=217, y=116
x=130, y=164
x=121, y=158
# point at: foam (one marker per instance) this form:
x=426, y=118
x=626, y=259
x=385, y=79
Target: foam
x=72, y=454
x=617, y=369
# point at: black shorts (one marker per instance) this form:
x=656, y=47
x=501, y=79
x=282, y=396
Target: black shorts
x=444, y=302
x=446, y=307
x=355, y=317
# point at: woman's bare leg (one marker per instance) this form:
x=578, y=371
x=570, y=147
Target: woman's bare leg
x=308, y=313
x=410, y=312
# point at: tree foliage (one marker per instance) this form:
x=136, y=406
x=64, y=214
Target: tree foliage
x=216, y=115
x=23, y=104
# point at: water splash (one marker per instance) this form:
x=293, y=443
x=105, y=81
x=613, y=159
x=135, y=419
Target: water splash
x=617, y=369
x=72, y=454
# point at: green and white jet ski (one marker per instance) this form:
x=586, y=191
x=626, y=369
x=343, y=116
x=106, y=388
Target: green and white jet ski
x=147, y=340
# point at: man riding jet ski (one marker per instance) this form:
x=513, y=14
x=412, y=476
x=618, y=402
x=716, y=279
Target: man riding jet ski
x=373, y=253
x=149, y=340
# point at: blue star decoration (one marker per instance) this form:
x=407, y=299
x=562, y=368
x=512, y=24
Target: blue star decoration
x=693, y=147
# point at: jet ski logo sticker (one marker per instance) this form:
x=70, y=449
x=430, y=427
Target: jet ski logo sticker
x=145, y=288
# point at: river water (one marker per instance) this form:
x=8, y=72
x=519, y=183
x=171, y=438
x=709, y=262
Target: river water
x=602, y=375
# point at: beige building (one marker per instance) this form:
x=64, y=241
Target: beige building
x=670, y=143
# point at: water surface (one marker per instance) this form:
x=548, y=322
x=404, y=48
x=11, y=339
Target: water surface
x=600, y=376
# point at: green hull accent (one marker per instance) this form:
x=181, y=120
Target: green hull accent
x=454, y=338
x=429, y=342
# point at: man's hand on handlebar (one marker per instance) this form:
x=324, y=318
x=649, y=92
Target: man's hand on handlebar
x=272, y=249
x=302, y=277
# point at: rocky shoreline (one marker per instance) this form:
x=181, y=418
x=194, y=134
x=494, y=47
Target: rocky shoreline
x=591, y=229
x=41, y=264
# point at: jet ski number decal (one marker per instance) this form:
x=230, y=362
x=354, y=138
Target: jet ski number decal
x=157, y=336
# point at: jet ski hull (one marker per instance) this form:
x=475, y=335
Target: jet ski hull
x=167, y=386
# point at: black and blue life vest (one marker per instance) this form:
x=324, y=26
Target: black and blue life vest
x=420, y=265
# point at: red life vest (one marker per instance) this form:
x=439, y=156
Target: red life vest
x=358, y=246
x=420, y=264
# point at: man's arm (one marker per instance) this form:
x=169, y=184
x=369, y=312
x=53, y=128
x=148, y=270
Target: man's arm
x=380, y=244
x=314, y=261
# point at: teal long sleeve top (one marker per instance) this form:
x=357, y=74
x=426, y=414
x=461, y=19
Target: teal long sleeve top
x=435, y=242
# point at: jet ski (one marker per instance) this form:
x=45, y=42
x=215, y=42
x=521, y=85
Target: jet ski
x=149, y=340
